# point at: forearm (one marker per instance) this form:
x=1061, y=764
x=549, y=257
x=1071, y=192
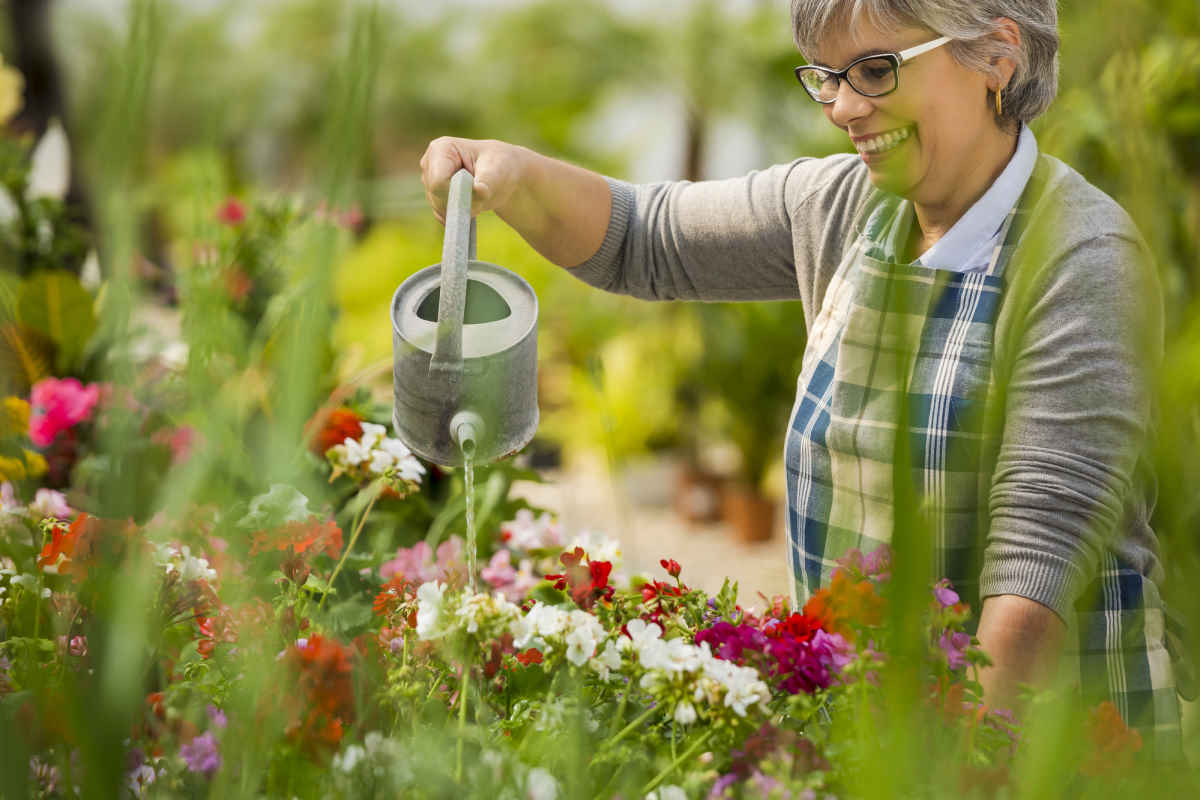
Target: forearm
x=1023, y=638
x=560, y=209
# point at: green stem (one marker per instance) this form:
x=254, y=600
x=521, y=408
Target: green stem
x=358, y=526
x=645, y=715
x=37, y=599
x=660, y=777
x=462, y=723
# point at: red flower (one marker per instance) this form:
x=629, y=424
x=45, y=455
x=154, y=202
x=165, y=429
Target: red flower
x=338, y=426
x=671, y=566
x=213, y=630
x=586, y=584
x=530, y=656
x=656, y=589
x=1111, y=743
x=300, y=536
x=231, y=212
x=60, y=547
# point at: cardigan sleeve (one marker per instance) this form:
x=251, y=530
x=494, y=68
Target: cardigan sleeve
x=1078, y=408
x=762, y=236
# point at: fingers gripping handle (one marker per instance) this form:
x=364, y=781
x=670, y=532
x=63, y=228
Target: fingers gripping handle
x=458, y=247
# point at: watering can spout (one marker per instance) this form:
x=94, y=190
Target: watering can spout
x=458, y=248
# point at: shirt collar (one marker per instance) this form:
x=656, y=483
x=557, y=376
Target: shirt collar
x=975, y=230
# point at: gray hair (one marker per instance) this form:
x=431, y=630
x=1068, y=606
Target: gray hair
x=968, y=22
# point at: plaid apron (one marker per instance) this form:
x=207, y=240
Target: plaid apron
x=882, y=324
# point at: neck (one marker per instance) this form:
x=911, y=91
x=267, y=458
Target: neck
x=938, y=210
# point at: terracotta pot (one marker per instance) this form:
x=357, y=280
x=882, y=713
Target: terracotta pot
x=697, y=495
x=750, y=514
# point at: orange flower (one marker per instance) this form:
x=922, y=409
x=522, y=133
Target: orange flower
x=846, y=603
x=341, y=424
x=323, y=670
x=1111, y=743
x=300, y=536
x=73, y=550
x=394, y=593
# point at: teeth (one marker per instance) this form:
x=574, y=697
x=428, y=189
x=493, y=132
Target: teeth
x=884, y=142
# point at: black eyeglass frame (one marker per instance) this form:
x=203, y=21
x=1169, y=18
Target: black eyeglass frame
x=896, y=60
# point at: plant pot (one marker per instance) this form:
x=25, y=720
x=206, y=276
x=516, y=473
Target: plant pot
x=697, y=495
x=748, y=512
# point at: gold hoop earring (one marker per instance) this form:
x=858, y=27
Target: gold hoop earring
x=999, y=104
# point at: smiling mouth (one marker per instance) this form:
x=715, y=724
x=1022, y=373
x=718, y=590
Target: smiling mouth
x=884, y=142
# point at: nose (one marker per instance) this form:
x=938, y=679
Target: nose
x=848, y=106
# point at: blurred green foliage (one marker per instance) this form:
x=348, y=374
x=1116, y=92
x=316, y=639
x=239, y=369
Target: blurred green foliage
x=231, y=98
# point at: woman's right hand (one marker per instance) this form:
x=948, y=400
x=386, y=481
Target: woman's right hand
x=559, y=208
x=497, y=167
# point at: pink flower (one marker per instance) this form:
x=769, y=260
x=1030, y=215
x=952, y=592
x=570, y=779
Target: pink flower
x=954, y=645
x=51, y=503
x=201, y=754
x=59, y=405
x=514, y=584
x=417, y=563
x=944, y=593
x=180, y=440
x=78, y=646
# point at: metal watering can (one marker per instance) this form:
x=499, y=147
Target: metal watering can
x=464, y=344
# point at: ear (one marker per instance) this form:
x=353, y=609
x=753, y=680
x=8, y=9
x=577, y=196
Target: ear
x=1007, y=38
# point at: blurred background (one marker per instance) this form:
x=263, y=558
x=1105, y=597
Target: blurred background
x=662, y=423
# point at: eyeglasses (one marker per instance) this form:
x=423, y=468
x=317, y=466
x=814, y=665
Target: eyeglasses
x=870, y=76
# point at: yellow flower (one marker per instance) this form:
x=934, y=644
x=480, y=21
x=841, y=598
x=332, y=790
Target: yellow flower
x=14, y=417
x=35, y=463
x=11, y=469
x=12, y=86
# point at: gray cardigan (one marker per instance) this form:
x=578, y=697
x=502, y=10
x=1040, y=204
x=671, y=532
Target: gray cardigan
x=1077, y=339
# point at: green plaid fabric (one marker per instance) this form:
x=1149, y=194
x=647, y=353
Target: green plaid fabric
x=890, y=335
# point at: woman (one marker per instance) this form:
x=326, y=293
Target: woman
x=1008, y=297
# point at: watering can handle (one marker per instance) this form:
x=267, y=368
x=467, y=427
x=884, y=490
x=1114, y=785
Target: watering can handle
x=458, y=247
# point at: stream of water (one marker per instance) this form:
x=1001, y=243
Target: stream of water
x=469, y=476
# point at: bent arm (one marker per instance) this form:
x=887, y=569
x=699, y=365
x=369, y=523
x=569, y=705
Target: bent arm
x=1023, y=639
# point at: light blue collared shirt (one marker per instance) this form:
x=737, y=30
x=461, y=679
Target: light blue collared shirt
x=970, y=242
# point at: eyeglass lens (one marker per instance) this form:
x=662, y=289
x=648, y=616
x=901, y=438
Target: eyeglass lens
x=871, y=77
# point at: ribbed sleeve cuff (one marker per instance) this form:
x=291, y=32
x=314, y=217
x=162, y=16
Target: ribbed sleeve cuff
x=1044, y=578
x=604, y=267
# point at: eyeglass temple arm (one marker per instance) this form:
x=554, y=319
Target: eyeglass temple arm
x=913, y=52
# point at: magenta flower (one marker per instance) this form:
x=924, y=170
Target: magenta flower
x=944, y=593
x=59, y=405
x=954, y=645
x=201, y=755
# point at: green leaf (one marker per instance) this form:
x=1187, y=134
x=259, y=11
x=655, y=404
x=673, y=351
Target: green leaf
x=54, y=303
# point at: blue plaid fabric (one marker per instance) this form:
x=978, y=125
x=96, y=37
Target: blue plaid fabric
x=889, y=334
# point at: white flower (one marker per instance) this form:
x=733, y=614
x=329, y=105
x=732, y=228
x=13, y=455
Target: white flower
x=685, y=713
x=608, y=660
x=381, y=460
x=540, y=785
x=141, y=778
x=640, y=632
x=409, y=469
x=352, y=452
x=580, y=646
x=526, y=532
x=479, y=608
x=50, y=165
x=668, y=792
x=372, y=435
x=430, y=624
x=598, y=547
x=348, y=759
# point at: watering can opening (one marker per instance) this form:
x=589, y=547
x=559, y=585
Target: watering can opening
x=484, y=304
